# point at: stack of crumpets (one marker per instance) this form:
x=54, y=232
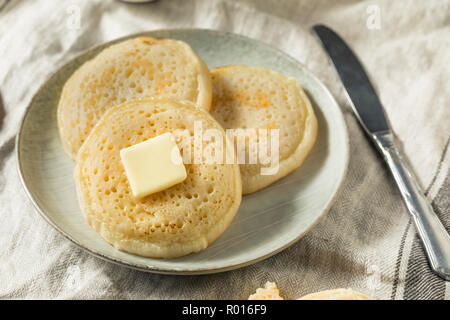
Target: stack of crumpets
x=129, y=118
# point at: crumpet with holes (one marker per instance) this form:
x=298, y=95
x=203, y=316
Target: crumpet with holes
x=257, y=98
x=133, y=69
x=182, y=219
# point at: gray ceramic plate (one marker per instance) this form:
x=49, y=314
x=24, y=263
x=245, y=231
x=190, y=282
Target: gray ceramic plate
x=268, y=221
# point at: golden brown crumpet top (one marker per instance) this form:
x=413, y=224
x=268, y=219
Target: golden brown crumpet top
x=257, y=98
x=174, y=222
x=133, y=69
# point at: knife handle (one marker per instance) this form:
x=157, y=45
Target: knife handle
x=435, y=238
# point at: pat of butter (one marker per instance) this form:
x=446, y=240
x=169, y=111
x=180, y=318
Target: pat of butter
x=153, y=165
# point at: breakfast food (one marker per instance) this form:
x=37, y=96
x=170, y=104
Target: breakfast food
x=336, y=294
x=253, y=97
x=133, y=69
x=125, y=117
x=269, y=292
x=174, y=222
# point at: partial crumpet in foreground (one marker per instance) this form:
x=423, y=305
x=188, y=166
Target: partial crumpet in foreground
x=133, y=69
x=174, y=222
x=269, y=292
x=257, y=98
x=336, y=294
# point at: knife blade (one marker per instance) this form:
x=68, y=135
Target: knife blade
x=362, y=95
x=369, y=111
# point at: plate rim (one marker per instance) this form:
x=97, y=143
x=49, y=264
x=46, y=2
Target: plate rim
x=160, y=270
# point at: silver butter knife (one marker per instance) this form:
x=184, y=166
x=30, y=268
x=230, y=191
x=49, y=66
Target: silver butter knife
x=369, y=111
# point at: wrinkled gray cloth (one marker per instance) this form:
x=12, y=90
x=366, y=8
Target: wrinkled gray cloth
x=366, y=242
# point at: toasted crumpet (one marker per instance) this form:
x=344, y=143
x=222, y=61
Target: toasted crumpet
x=257, y=98
x=171, y=223
x=133, y=69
